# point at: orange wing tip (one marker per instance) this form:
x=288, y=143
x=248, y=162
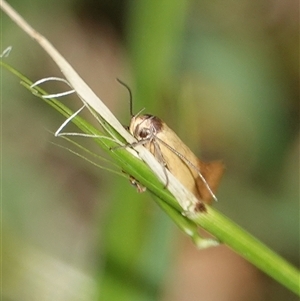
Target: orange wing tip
x=212, y=172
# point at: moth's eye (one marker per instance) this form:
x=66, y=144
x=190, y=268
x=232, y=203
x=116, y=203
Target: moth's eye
x=144, y=133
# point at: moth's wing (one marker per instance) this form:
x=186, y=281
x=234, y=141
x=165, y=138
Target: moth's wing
x=212, y=172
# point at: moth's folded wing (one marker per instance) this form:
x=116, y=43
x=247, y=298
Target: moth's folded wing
x=212, y=172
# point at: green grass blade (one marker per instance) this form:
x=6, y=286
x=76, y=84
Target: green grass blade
x=212, y=221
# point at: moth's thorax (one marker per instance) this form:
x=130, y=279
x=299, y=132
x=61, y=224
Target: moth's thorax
x=145, y=126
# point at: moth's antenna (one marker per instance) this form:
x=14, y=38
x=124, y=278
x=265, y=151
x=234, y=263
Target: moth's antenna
x=130, y=96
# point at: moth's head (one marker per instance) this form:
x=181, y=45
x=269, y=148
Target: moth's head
x=142, y=127
x=145, y=126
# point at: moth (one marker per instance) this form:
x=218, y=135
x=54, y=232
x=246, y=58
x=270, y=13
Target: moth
x=199, y=177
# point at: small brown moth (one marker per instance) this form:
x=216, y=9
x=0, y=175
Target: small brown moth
x=201, y=178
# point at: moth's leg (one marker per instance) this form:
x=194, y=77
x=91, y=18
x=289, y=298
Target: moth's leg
x=139, y=187
x=157, y=153
x=160, y=158
x=140, y=142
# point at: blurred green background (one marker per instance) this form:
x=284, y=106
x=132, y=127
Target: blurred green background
x=223, y=75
